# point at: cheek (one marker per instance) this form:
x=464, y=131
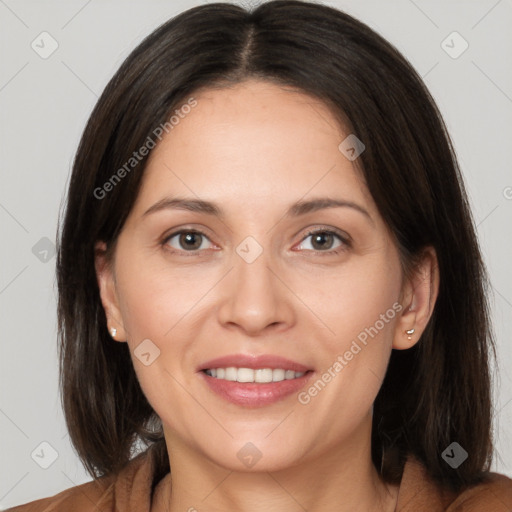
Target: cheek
x=155, y=301
x=361, y=308
x=162, y=303
x=361, y=297
x=154, y=297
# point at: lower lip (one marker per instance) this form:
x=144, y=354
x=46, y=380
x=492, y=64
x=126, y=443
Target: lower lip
x=251, y=394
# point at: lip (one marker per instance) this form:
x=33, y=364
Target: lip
x=254, y=362
x=252, y=394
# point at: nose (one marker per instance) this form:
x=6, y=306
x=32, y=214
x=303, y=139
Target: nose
x=255, y=296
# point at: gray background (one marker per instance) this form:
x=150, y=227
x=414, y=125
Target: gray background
x=44, y=106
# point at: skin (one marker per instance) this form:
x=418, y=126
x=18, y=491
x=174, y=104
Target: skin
x=256, y=148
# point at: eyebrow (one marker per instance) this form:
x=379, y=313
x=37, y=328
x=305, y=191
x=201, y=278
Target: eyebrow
x=295, y=210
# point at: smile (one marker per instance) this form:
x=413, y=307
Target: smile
x=260, y=375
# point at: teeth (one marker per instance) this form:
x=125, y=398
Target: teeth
x=231, y=374
x=278, y=375
x=261, y=375
x=289, y=374
x=247, y=375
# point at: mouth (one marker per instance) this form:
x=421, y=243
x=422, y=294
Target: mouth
x=254, y=381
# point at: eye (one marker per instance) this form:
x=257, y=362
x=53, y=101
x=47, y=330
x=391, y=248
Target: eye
x=189, y=240
x=192, y=241
x=322, y=240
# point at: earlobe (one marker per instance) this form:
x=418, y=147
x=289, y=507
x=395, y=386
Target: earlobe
x=420, y=295
x=108, y=294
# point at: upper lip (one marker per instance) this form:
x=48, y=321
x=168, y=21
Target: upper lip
x=254, y=362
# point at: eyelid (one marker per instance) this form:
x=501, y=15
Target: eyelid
x=329, y=229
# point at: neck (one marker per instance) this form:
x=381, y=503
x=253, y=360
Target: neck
x=341, y=479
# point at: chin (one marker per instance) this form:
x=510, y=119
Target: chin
x=256, y=456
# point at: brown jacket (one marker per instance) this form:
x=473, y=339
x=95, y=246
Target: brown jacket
x=130, y=491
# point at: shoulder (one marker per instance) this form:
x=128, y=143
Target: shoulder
x=96, y=495
x=115, y=492
x=493, y=495
x=419, y=492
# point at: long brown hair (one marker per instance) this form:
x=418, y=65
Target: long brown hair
x=435, y=393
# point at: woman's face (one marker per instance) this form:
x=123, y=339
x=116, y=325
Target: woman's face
x=255, y=282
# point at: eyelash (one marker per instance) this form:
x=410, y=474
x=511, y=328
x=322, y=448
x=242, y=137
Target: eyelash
x=344, y=239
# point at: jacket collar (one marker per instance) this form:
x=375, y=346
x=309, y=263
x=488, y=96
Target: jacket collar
x=418, y=491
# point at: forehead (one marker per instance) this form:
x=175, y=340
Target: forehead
x=251, y=142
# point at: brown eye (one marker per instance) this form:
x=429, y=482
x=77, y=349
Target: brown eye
x=186, y=240
x=325, y=240
x=322, y=240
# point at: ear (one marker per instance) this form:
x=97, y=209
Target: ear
x=107, y=285
x=419, y=295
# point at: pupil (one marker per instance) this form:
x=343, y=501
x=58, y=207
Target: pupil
x=189, y=237
x=321, y=236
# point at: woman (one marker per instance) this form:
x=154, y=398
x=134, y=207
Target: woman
x=268, y=274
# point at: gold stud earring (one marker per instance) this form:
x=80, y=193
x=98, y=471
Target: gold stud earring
x=113, y=332
x=409, y=332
